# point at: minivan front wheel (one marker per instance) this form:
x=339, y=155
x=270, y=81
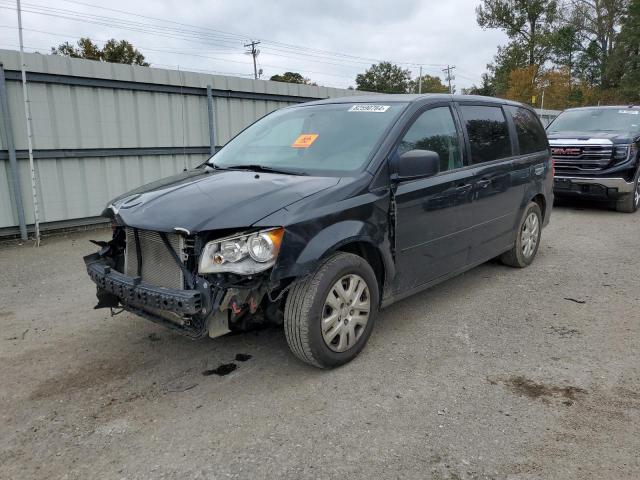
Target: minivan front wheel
x=329, y=316
x=527, y=238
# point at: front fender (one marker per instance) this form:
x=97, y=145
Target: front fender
x=301, y=254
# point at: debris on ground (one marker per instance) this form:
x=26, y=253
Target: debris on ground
x=524, y=386
x=575, y=300
x=222, y=370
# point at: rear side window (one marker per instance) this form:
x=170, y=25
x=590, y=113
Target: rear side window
x=531, y=136
x=488, y=133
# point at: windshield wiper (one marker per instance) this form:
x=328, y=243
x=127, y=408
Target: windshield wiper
x=259, y=168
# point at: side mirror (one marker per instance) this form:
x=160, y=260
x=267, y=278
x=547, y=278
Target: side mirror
x=416, y=164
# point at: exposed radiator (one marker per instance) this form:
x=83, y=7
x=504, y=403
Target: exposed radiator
x=158, y=265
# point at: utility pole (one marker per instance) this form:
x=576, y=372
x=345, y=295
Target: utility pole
x=420, y=80
x=448, y=77
x=27, y=114
x=254, y=53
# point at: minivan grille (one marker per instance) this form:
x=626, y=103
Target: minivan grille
x=581, y=157
x=159, y=268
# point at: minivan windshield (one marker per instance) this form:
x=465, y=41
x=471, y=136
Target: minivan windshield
x=330, y=139
x=597, y=119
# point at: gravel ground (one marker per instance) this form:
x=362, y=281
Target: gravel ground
x=499, y=373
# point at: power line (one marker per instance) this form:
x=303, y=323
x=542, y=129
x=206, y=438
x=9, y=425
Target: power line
x=218, y=35
x=152, y=49
x=201, y=36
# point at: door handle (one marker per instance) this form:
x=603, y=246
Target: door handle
x=464, y=187
x=484, y=183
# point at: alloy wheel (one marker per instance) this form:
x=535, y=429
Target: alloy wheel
x=530, y=233
x=345, y=313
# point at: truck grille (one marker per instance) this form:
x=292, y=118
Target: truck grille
x=158, y=265
x=577, y=157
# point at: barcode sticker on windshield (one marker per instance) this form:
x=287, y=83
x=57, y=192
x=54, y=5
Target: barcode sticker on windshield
x=630, y=112
x=369, y=108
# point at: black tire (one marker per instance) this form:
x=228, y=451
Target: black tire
x=630, y=202
x=305, y=306
x=516, y=257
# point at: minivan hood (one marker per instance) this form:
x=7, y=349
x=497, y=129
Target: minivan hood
x=197, y=201
x=615, y=137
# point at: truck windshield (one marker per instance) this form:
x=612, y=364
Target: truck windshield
x=597, y=119
x=331, y=139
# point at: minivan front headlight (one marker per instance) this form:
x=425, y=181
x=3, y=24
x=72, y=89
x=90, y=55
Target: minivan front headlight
x=243, y=254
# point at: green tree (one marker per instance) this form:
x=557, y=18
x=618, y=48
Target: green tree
x=384, y=77
x=529, y=22
x=85, y=49
x=587, y=64
x=600, y=23
x=122, y=52
x=509, y=58
x=625, y=59
x=114, y=51
x=565, y=46
x=430, y=84
x=486, y=88
x=291, y=77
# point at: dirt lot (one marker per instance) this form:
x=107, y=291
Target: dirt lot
x=499, y=373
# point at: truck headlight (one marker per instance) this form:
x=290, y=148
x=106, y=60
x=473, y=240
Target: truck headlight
x=244, y=254
x=622, y=153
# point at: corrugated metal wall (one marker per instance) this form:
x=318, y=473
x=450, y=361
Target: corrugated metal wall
x=82, y=110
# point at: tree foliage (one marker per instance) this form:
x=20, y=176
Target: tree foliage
x=579, y=52
x=384, y=77
x=486, y=88
x=529, y=22
x=625, y=58
x=430, y=84
x=291, y=77
x=114, y=51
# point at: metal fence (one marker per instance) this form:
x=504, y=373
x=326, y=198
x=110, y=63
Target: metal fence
x=101, y=129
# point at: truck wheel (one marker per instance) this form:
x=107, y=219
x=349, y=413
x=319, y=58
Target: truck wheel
x=527, y=239
x=329, y=316
x=630, y=202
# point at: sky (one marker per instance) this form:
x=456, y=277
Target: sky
x=327, y=41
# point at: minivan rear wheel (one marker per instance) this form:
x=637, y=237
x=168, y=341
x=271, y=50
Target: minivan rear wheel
x=527, y=238
x=329, y=316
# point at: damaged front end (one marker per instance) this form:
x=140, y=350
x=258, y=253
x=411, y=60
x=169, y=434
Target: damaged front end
x=198, y=285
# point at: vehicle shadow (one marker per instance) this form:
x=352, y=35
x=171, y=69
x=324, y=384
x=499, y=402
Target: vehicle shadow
x=583, y=204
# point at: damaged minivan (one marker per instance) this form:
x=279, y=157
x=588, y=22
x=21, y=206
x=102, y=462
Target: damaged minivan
x=318, y=215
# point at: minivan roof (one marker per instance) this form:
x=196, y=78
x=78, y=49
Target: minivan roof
x=413, y=98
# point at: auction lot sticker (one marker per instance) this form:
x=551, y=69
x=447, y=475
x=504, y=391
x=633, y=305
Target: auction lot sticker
x=304, y=140
x=369, y=108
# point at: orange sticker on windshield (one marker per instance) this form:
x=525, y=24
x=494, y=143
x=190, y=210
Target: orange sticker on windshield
x=305, y=140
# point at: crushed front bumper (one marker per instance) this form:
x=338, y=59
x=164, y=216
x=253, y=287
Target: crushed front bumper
x=133, y=290
x=188, y=312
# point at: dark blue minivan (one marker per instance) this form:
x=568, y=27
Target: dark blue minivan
x=318, y=215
